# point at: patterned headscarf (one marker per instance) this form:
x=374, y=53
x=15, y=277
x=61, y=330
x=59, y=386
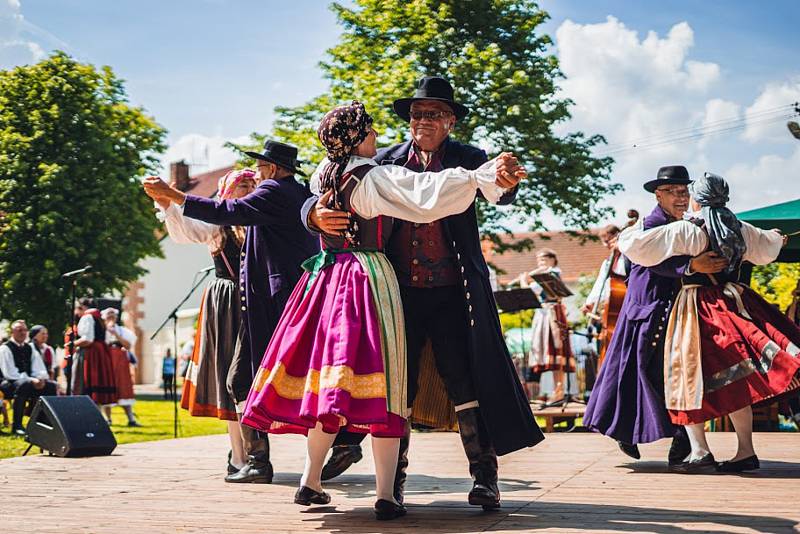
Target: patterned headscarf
x=227, y=184
x=724, y=229
x=341, y=130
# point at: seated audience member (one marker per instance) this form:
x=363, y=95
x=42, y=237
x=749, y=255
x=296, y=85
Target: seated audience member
x=23, y=374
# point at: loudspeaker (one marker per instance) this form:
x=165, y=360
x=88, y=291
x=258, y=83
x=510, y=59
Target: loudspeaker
x=70, y=426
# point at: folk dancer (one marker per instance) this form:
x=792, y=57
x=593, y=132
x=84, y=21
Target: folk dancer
x=120, y=341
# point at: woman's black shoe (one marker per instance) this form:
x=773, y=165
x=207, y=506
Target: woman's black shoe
x=746, y=464
x=386, y=510
x=307, y=496
x=703, y=466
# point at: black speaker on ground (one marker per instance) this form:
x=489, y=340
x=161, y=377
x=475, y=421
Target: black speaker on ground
x=70, y=426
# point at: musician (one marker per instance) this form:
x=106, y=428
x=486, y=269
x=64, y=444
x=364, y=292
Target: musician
x=726, y=348
x=615, y=263
x=550, y=346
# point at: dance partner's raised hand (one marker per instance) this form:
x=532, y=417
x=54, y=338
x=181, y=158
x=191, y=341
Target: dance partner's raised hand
x=508, y=171
x=161, y=192
x=326, y=220
x=707, y=263
x=785, y=236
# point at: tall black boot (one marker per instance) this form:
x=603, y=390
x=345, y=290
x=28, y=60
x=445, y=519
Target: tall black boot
x=346, y=451
x=482, y=459
x=258, y=468
x=680, y=447
x=402, y=465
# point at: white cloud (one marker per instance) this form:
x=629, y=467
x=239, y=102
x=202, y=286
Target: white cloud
x=644, y=93
x=203, y=153
x=17, y=45
x=768, y=105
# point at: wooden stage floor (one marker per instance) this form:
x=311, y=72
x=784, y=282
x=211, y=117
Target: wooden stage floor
x=569, y=483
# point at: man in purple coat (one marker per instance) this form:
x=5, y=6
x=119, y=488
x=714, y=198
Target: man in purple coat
x=275, y=247
x=627, y=402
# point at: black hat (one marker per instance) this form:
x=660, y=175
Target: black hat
x=673, y=174
x=280, y=154
x=431, y=88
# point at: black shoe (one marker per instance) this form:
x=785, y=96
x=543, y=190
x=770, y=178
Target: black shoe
x=704, y=466
x=746, y=464
x=253, y=472
x=680, y=448
x=231, y=468
x=342, y=457
x=135, y=424
x=486, y=495
x=307, y=496
x=387, y=510
x=630, y=450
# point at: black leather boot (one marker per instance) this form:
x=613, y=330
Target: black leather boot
x=342, y=457
x=482, y=459
x=402, y=465
x=680, y=447
x=258, y=468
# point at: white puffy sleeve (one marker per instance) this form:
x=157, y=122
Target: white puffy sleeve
x=763, y=246
x=422, y=197
x=651, y=247
x=86, y=327
x=187, y=230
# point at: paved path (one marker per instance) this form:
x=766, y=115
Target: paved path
x=571, y=482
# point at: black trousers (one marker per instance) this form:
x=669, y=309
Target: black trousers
x=23, y=390
x=437, y=313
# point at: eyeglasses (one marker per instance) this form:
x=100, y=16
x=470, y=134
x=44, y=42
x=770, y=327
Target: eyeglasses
x=432, y=115
x=675, y=191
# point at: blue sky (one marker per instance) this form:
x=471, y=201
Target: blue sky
x=211, y=70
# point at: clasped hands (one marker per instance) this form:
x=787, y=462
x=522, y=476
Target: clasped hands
x=508, y=173
x=161, y=192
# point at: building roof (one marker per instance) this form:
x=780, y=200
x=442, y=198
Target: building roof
x=205, y=184
x=576, y=259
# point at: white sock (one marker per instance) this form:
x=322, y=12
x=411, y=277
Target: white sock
x=697, y=438
x=317, y=447
x=384, y=454
x=237, y=445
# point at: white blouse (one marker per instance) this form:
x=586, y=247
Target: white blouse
x=185, y=230
x=651, y=247
x=420, y=197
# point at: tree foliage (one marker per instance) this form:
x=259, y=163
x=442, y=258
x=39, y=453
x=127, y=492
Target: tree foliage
x=71, y=152
x=501, y=69
x=776, y=282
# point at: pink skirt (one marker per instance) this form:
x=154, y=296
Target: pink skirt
x=329, y=359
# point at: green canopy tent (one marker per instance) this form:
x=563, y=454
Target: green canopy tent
x=786, y=218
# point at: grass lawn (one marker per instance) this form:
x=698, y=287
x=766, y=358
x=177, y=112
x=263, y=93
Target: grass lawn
x=155, y=415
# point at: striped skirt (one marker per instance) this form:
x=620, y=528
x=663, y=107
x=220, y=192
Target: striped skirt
x=205, y=392
x=338, y=355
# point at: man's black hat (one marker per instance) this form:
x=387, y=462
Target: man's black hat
x=673, y=174
x=431, y=88
x=280, y=154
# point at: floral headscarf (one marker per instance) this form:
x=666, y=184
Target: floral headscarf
x=227, y=184
x=341, y=130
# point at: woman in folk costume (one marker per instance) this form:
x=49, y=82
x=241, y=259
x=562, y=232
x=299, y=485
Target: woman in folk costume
x=93, y=370
x=120, y=341
x=338, y=356
x=726, y=348
x=205, y=392
x=550, y=346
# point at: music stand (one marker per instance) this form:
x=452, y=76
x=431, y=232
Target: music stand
x=554, y=290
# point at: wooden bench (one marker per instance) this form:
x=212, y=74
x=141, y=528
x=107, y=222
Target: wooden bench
x=559, y=414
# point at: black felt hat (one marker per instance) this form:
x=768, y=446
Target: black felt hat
x=672, y=174
x=280, y=154
x=431, y=88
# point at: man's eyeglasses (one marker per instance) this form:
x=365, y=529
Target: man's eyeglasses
x=432, y=115
x=675, y=191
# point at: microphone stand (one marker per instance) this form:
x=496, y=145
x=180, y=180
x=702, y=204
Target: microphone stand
x=173, y=316
x=71, y=344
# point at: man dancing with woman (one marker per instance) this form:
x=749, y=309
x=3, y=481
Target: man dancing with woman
x=346, y=363
x=725, y=348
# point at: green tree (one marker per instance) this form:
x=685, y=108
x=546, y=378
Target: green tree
x=71, y=152
x=500, y=66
